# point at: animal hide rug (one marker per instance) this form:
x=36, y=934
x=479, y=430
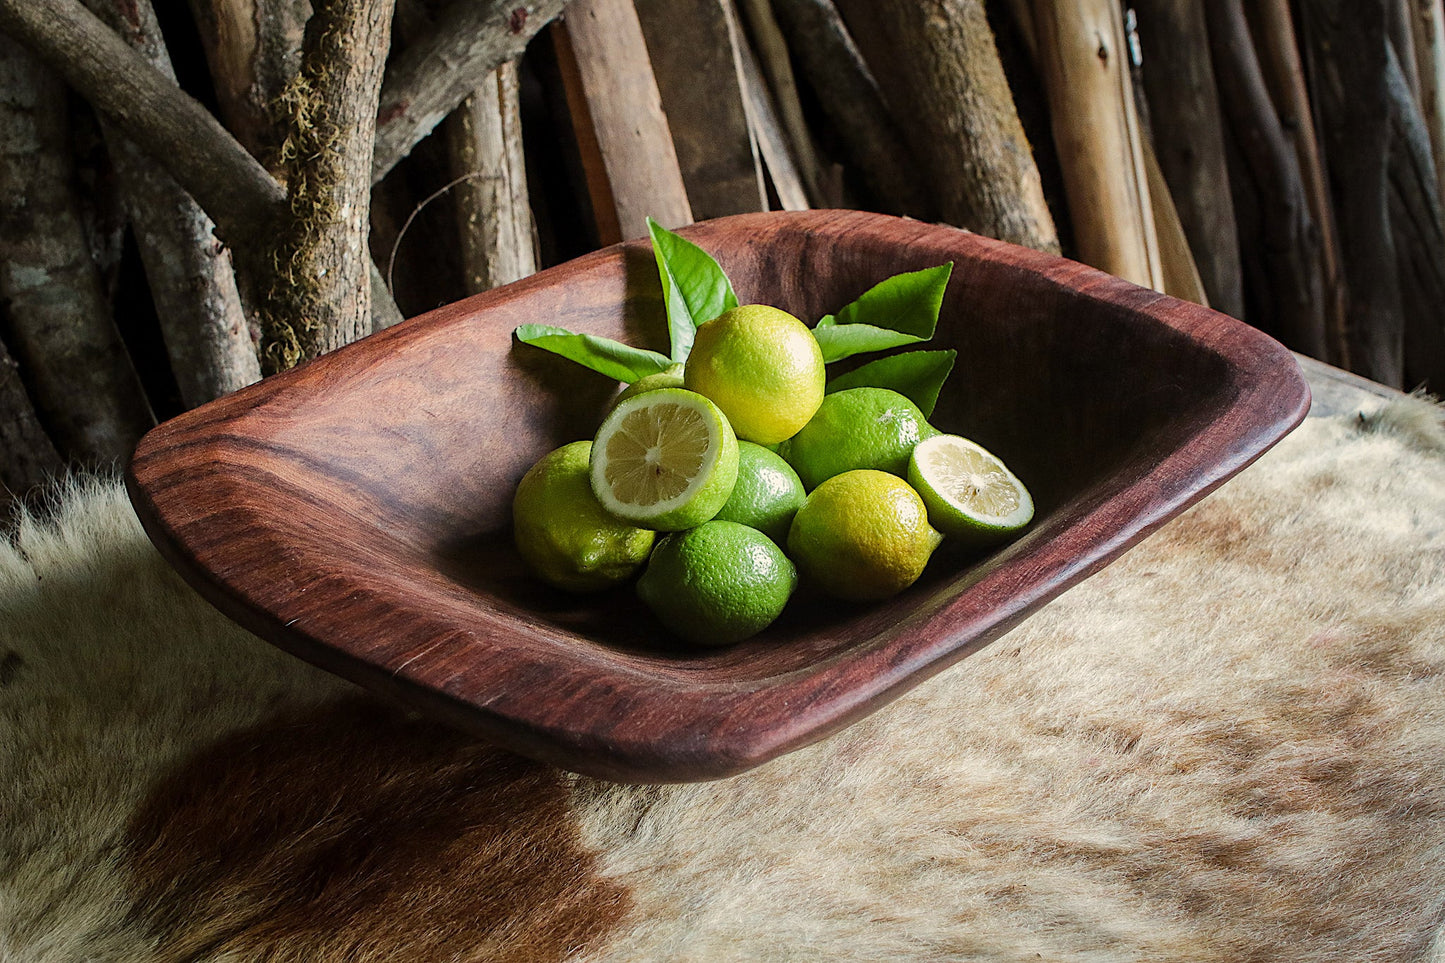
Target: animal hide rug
x=1229, y=745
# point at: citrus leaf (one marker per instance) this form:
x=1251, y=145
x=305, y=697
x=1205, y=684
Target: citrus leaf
x=603, y=355
x=917, y=374
x=905, y=302
x=694, y=288
x=840, y=341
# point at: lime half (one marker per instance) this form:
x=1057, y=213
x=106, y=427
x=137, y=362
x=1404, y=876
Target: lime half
x=971, y=495
x=665, y=459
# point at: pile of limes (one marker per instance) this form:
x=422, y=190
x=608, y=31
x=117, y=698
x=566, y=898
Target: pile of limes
x=752, y=474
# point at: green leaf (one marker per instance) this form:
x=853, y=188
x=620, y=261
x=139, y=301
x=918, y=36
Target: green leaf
x=917, y=374
x=694, y=288
x=603, y=355
x=905, y=302
x=840, y=341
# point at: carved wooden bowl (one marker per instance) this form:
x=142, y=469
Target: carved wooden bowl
x=356, y=511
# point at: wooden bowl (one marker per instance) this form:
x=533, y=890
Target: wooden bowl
x=356, y=512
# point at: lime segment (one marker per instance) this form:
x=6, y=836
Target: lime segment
x=666, y=459
x=970, y=493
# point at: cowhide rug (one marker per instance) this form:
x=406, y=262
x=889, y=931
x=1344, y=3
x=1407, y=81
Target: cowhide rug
x=1230, y=745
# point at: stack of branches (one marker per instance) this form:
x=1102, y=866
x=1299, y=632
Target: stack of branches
x=194, y=202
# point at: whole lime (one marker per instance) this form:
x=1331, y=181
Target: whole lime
x=669, y=378
x=562, y=531
x=857, y=428
x=767, y=494
x=718, y=583
x=862, y=535
x=762, y=367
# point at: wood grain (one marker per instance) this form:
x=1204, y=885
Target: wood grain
x=356, y=511
x=627, y=150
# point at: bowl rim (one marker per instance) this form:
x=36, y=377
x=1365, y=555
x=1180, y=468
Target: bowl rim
x=703, y=732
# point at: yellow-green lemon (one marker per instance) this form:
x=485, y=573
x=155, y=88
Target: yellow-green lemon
x=862, y=535
x=668, y=378
x=970, y=493
x=767, y=495
x=562, y=531
x=762, y=366
x=665, y=459
x=718, y=583
x=857, y=428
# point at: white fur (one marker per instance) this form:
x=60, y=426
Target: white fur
x=1187, y=757
x=1230, y=745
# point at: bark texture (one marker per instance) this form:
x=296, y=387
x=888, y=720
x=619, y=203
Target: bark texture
x=191, y=280
x=253, y=48
x=632, y=168
x=322, y=297
x=27, y=457
x=1272, y=27
x=1383, y=188
x=1178, y=80
x=427, y=80
x=57, y=319
x=1083, y=60
x=772, y=55
x=494, y=218
x=848, y=93
x=950, y=97
x=716, y=150
x=1291, y=240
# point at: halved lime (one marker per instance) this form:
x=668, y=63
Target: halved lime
x=666, y=459
x=971, y=495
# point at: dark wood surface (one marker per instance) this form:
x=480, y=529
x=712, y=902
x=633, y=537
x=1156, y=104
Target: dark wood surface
x=356, y=511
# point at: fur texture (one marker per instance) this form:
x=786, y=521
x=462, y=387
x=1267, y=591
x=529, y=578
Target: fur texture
x=1229, y=745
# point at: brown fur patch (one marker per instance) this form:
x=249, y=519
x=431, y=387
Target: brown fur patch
x=354, y=833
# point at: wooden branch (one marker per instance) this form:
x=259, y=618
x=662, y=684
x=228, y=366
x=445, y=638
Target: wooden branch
x=1348, y=53
x=1180, y=273
x=28, y=460
x=148, y=107
x=1178, y=80
x=253, y=48
x=1290, y=237
x=322, y=299
x=427, y=80
x=634, y=172
x=1418, y=225
x=716, y=149
x=1430, y=46
x=1272, y=27
x=1083, y=60
x=771, y=51
x=247, y=204
x=189, y=273
x=952, y=101
x=494, y=219
x=777, y=152
x=58, y=321
x=850, y=97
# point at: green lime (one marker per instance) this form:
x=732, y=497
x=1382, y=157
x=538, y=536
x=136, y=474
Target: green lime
x=718, y=583
x=857, y=428
x=767, y=493
x=665, y=459
x=670, y=378
x=562, y=531
x=862, y=535
x=971, y=495
x=762, y=366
